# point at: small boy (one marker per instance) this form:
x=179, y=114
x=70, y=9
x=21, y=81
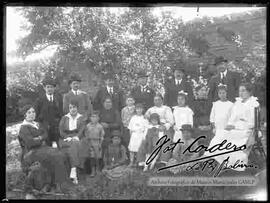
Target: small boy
x=94, y=135
x=127, y=112
x=116, y=154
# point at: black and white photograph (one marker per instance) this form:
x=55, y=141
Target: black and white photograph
x=120, y=102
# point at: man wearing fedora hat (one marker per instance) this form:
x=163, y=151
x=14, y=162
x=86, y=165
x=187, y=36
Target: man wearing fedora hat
x=224, y=76
x=142, y=93
x=110, y=90
x=49, y=110
x=175, y=85
x=85, y=106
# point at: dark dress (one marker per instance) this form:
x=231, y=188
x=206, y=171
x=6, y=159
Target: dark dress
x=53, y=163
x=202, y=110
x=72, y=148
x=113, y=119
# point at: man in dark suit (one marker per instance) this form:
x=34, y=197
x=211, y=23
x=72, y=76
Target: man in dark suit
x=175, y=85
x=142, y=93
x=85, y=106
x=110, y=90
x=49, y=111
x=224, y=76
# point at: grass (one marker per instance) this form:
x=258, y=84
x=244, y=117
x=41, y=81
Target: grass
x=132, y=187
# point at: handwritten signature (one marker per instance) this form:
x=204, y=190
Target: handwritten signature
x=195, y=148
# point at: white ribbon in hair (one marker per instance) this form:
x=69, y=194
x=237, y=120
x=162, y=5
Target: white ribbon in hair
x=222, y=85
x=182, y=92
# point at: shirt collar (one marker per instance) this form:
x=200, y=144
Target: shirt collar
x=33, y=124
x=49, y=96
x=224, y=73
x=176, y=81
x=77, y=116
x=74, y=92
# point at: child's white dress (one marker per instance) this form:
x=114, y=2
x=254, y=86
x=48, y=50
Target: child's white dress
x=182, y=115
x=220, y=113
x=138, y=126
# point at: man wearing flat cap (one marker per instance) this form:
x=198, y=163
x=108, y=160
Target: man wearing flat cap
x=224, y=76
x=85, y=106
x=49, y=110
x=142, y=93
x=110, y=90
x=175, y=85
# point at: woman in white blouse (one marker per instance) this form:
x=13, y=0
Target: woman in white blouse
x=71, y=128
x=166, y=121
x=238, y=130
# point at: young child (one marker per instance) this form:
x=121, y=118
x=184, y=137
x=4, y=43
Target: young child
x=202, y=108
x=138, y=127
x=127, y=112
x=188, y=139
x=182, y=115
x=221, y=109
x=153, y=135
x=115, y=155
x=94, y=134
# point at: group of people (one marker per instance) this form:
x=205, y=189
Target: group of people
x=59, y=136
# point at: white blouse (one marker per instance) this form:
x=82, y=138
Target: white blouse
x=73, y=121
x=182, y=115
x=165, y=113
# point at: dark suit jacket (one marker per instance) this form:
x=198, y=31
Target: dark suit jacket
x=117, y=98
x=232, y=80
x=171, y=92
x=146, y=97
x=49, y=113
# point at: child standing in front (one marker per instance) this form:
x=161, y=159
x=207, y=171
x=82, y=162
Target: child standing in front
x=153, y=135
x=127, y=112
x=138, y=127
x=221, y=109
x=182, y=115
x=94, y=135
x=187, y=139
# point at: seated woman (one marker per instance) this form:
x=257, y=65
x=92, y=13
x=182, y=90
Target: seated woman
x=166, y=123
x=44, y=165
x=115, y=158
x=71, y=129
x=238, y=130
x=110, y=120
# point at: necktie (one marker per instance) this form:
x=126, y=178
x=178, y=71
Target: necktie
x=111, y=92
x=51, y=98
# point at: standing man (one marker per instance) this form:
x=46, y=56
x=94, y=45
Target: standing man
x=224, y=76
x=110, y=90
x=85, y=107
x=49, y=111
x=142, y=93
x=175, y=85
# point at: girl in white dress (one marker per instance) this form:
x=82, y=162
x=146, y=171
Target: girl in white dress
x=221, y=109
x=166, y=122
x=138, y=126
x=238, y=130
x=182, y=115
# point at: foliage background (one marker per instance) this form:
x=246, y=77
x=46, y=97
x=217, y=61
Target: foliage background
x=94, y=40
